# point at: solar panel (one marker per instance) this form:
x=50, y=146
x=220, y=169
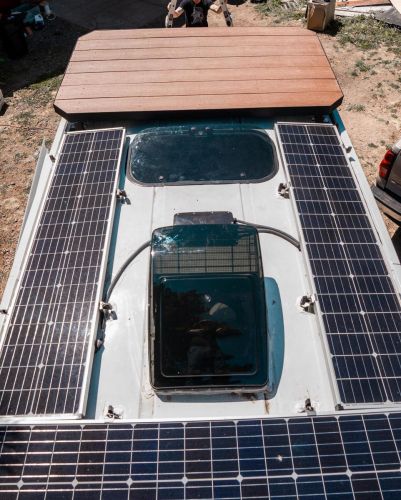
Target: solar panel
x=47, y=345
x=350, y=456
x=358, y=302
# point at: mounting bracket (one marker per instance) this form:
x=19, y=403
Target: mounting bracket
x=308, y=406
x=106, y=308
x=113, y=413
x=284, y=190
x=121, y=194
x=307, y=302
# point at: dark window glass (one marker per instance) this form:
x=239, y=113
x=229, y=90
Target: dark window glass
x=217, y=153
x=209, y=319
x=207, y=326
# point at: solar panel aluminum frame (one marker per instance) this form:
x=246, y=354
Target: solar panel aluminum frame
x=103, y=268
x=75, y=423
x=65, y=419
x=323, y=335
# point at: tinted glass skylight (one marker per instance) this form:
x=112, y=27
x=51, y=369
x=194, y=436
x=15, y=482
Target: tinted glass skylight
x=216, y=153
x=208, y=316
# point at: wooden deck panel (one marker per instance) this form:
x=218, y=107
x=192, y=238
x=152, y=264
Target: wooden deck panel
x=203, y=102
x=199, y=64
x=189, y=32
x=211, y=42
x=208, y=88
x=146, y=72
x=187, y=75
x=194, y=52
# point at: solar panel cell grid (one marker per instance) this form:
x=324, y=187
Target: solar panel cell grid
x=351, y=456
x=360, y=307
x=44, y=352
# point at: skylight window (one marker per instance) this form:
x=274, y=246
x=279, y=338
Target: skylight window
x=208, y=321
x=202, y=155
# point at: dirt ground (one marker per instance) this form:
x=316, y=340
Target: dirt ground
x=370, y=81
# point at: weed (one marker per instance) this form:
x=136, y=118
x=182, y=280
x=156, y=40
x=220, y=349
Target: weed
x=18, y=157
x=356, y=107
x=362, y=66
x=25, y=117
x=42, y=92
x=372, y=145
x=394, y=85
x=271, y=6
x=276, y=9
x=354, y=73
x=366, y=33
x=48, y=83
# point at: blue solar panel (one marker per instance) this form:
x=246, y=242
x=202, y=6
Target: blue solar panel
x=334, y=457
x=44, y=355
x=360, y=307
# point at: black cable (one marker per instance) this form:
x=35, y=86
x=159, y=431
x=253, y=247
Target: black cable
x=124, y=267
x=272, y=230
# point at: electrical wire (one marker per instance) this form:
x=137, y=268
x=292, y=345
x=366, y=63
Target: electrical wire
x=124, y=267
x=260, y=228
x=272, y=230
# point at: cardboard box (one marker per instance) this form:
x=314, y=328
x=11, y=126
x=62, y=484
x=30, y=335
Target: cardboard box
x=319, y=14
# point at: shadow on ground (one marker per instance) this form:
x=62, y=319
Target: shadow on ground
x=51, y=48
x=102, y=14
x=49, y=52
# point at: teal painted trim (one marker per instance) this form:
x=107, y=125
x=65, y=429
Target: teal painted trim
x=275, y=329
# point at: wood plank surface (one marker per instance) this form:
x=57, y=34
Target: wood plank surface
x=213, y=42
x=208, y=88
x=190, y=75
x=201, y=102
x=198, y=64
x=194, y=52
x=188, y=32
x=145, y=72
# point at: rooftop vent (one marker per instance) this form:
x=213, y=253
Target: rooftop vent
x=208, y=318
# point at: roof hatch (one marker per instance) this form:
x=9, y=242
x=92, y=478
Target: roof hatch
x=208, y=317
